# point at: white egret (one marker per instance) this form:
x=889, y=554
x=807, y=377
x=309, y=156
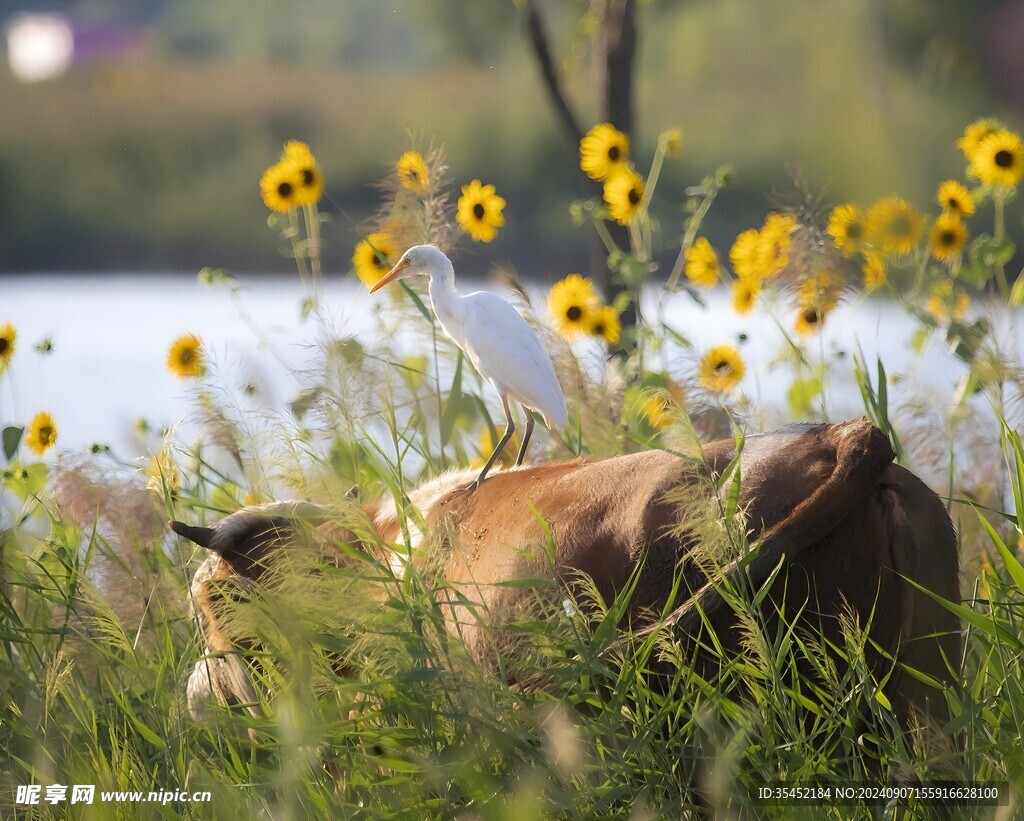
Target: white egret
x=497, y=340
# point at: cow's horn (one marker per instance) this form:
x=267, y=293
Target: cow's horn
x=202, y=536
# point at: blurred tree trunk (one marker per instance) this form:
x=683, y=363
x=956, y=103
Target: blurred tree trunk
x=1004, y=55
x=614, y=53
x=615, y=45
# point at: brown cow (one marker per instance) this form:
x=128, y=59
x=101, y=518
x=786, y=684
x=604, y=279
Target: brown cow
x=824, y=500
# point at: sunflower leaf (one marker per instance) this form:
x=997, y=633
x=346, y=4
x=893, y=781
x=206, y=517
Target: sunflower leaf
x=1017, y=294
x=11, y=440
x=920, y=337
x=453, y=405
x=26, y=481
x=417, y=302
x=988, y=252
x=964, y=339
x=304, y=401
x=802, y=394
x=1010, y=562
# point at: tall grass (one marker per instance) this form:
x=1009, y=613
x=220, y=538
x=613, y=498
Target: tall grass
x=421, y=731
x=370, y=706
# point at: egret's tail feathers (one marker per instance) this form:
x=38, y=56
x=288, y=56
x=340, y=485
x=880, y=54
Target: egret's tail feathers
x=557, y=420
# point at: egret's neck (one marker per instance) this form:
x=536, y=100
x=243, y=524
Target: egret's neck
x=444, y=299
x=442, y=288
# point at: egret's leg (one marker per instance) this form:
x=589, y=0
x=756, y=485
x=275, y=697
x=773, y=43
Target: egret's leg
x=510, y=428
x=526, y=436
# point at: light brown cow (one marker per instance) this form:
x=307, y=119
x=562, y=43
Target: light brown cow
x=824, y=500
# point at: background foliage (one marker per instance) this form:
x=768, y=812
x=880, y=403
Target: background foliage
x=128, y=157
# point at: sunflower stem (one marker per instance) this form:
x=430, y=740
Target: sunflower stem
x=634, y=238
x=312, y=217
x=1000, y=229
x=652, y=176
x=606, y=237
x=300, y=260
x=922, y=267
x=690, y=236
x=440, y=399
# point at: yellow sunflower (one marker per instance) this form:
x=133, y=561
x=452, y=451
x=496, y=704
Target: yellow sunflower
x=975, y=133
x=297, y=151
x=623, y=192
x=604, y=150
x=847, y=228
x=999, y=159
x=721, y=369
x=372, y=258
x=185, y=358
x=311, y=181
x=8, y=336
x=745, y=255
x=744, y=294
x=946, y=303
x=773, y=243
x=874, y=270
x=954, y=197
x=809, y=320
x=949, y=235
x=572, y=303
x=41, y=433
x=822, y=290
x=604, y=322
x=673, y=141
x=479, y=211
x=702, y=264
x=281, y=186
x=162, y=473
x=782, y=223
x=658, y=412
x=661, y=408
x=412, y=172
x=894, y=225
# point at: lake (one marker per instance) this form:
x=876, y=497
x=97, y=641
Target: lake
x=111, y=334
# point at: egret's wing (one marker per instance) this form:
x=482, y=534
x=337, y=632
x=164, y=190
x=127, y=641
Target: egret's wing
x=506, y=351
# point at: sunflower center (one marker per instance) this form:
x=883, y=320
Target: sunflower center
x=634, y=196
x=599, y=329
x=4, y=344
x=947, y=238
x=45, y=434
x=722, y=366
x=811, y=316
x=1004, y=159
x=614, y=153
x=953, y=204
x=479, y=210
x=901, y=225
x=574, y=313
x=307, y=176
x=284, y=189
x=186, y=356
x=854, y=230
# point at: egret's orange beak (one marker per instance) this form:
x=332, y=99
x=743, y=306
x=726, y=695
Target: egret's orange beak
x=391, y=275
